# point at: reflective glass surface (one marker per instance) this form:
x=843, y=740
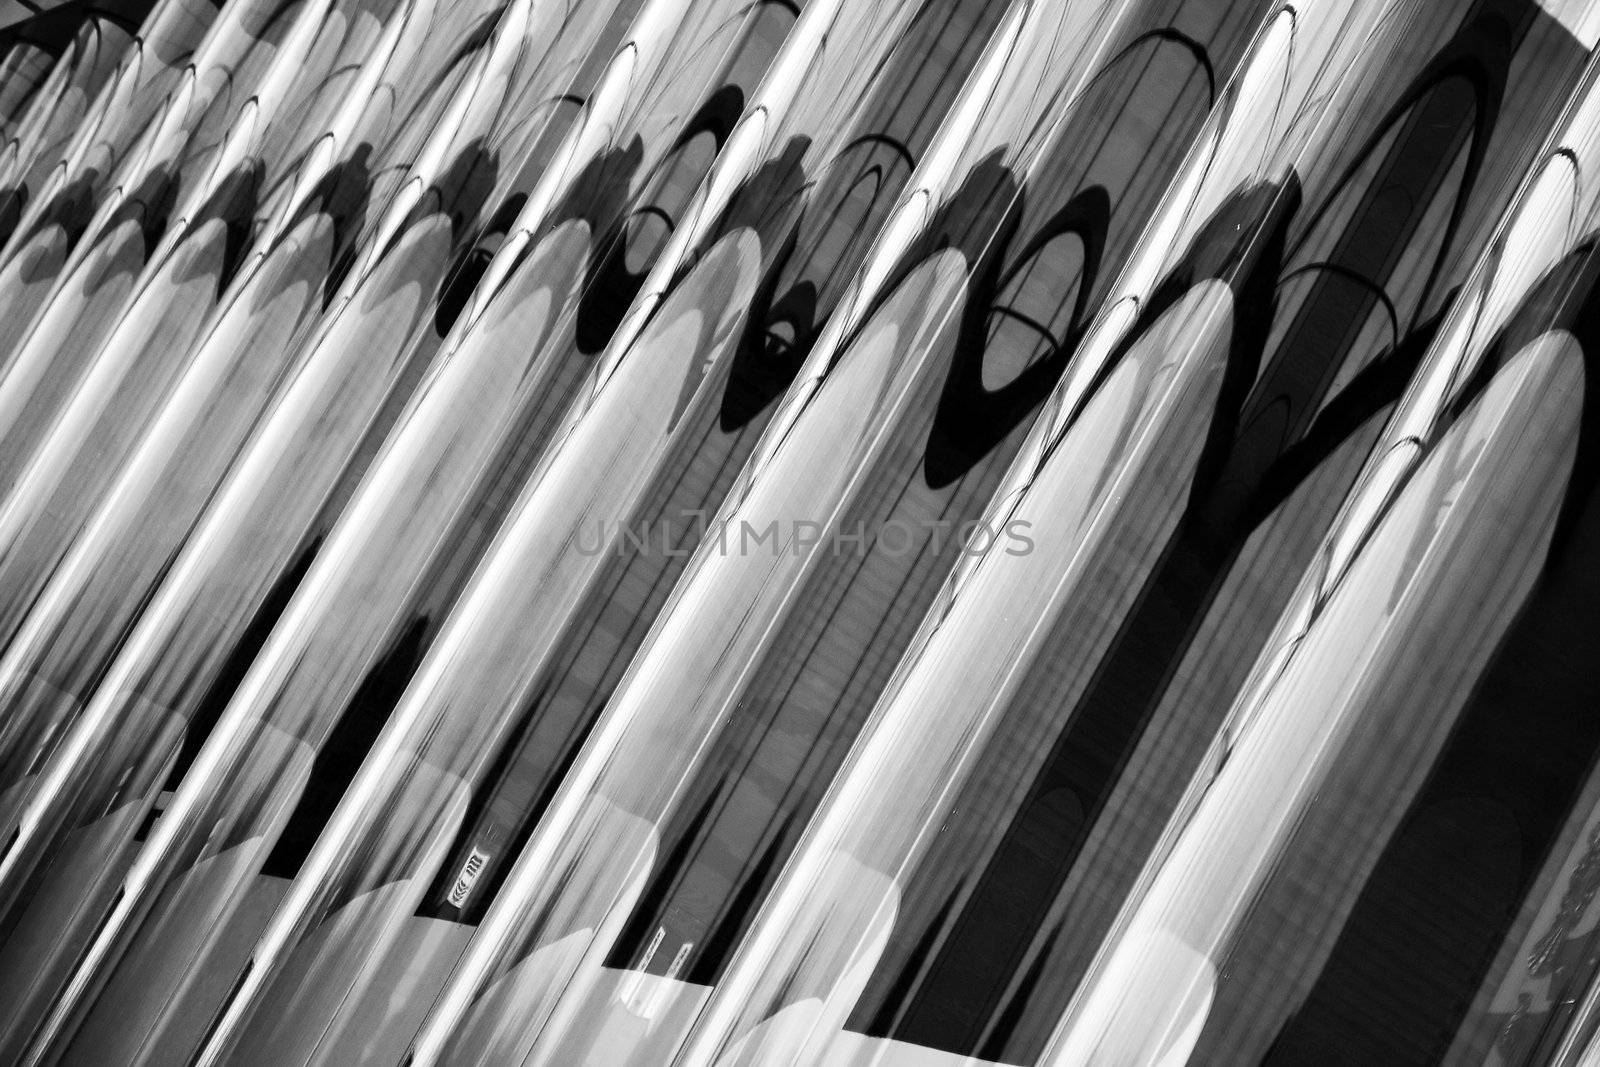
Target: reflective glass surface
x=1265, y=264
x=348, y=613
x=801, y=138
x=43, y=128
x=83, y=541
x=1404, y=793
x=588, y=528
x=24, y=66
x=40, y=181
x=707, y=532
x=481, y=110
x=70, y=268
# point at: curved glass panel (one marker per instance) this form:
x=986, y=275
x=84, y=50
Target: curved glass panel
x=238, y=362
x=657, y=86
x=661, y=841
x=101, y=579
x=61, y=240
x=38, y=44
x=769, y=628
x=75, y=280
x=168, y=345
x=56, y=112
x=398, y=505
x=148, y=71
x=563, y=548
x=1386, y=845
x=217, y=151
x=24, y=69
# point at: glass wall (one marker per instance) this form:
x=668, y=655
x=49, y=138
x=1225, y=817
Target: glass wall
x=94, y=42
x=1384, y=851
x=637, y=152
x=1008, y=200
x=1278, y=271
x=629, y=532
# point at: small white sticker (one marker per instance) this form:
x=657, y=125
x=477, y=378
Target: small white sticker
x=470, y=870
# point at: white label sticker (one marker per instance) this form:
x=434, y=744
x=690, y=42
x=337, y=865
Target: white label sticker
x=470, y=870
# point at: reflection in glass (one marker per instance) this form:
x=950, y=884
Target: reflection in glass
x=73, y=263
x=1384, y=852
x=446, y=469
x=79, y=583
x=115, y=330
x=95, y=570
x=42, y=217
x=1021, y=766
x=88, y=45
x=554, y=536
x=697, y=313
x=25, y=65
x=146, y=362
x=756, y=674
